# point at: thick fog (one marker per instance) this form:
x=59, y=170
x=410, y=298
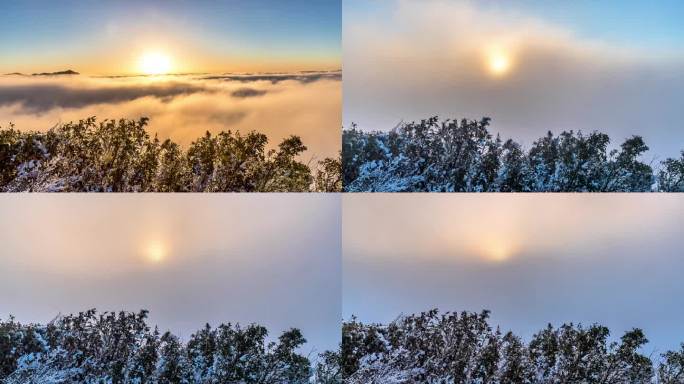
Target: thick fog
x=533, y=259
x=188, y=259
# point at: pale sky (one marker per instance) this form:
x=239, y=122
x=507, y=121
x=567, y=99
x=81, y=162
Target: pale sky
x=189, y=259
x=613, y=259
x=532, y=66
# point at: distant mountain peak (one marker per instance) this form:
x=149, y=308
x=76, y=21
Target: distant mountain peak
x=59, y=73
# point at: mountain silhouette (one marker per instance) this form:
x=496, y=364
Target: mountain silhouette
x=59, y=73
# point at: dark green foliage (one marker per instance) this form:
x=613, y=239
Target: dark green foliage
x=172, y=368
x=329, y=176
x=328, y=370
x=120, y=156
x=121, y=348
x=463, y=348
x=358, y=340
x=671, y=369
x=462, y=156
x=16, y=341
x=671, y=176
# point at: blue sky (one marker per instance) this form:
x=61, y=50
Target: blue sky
x=262, y=30
x=629, y=22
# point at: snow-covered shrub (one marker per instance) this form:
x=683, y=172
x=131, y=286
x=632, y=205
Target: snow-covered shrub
x=121, y=156
x=121, y=348
x=449, y=348
x=435, y=155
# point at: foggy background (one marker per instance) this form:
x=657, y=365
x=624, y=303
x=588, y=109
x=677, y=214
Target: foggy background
x=189, y=259
x=613, y=66
x=532, y=259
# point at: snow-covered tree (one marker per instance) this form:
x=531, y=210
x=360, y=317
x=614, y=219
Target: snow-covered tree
x=671, y=175
x=121, y=348
x=435, y=155
x=121, y=156
x=449, y=348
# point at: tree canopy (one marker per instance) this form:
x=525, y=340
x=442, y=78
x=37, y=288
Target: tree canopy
x=450, y=348
x=463, y=156
x=108, y=347
x=121, y=156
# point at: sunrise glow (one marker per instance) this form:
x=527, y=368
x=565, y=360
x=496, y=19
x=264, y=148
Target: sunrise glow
x=155, y=251
x=154, y=63
x=497, y=251
x=498, y=62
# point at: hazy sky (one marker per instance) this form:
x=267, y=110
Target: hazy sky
x=189, y=259
x=531, y=259
x=108, y=37
x=532, y=66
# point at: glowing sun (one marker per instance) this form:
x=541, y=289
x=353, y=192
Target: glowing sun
x=155, y=251
x=498, y=250
x=154, y=63
x=498, y=253
x=498, y=63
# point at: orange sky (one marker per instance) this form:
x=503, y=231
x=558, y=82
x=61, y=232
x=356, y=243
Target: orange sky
x=108, y=38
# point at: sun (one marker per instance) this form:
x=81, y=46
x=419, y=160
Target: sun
x=155, y=63
x=498, y=62
x=155, y=251
x=497, y=250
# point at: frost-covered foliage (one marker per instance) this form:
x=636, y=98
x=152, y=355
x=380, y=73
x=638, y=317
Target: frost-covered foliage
x=328, y=370
x=671, y=176
x=463, y=156
x=120, y=156
x=449, y=348
x=121, y=348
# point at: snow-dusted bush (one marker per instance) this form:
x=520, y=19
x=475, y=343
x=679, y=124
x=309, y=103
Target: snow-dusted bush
x=121, y=348
x=463, y=156
x=120, y=156
x=450, y=348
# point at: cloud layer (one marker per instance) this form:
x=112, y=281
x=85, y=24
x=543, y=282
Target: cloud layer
x=42, y=97
x=183, y=107
x=430, y=58
x=302, y=77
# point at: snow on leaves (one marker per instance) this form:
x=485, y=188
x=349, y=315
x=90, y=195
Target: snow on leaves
x=450, y=348
x=120, y=156
x=121, y=348
x=463, y=156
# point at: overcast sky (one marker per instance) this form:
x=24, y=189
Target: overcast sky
x=612, y=66
x=614, y=259
x=189, y=259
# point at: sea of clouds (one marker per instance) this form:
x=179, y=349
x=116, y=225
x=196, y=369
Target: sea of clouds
x=184, y=107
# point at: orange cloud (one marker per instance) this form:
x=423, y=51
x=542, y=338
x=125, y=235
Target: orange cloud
x=184, y=107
